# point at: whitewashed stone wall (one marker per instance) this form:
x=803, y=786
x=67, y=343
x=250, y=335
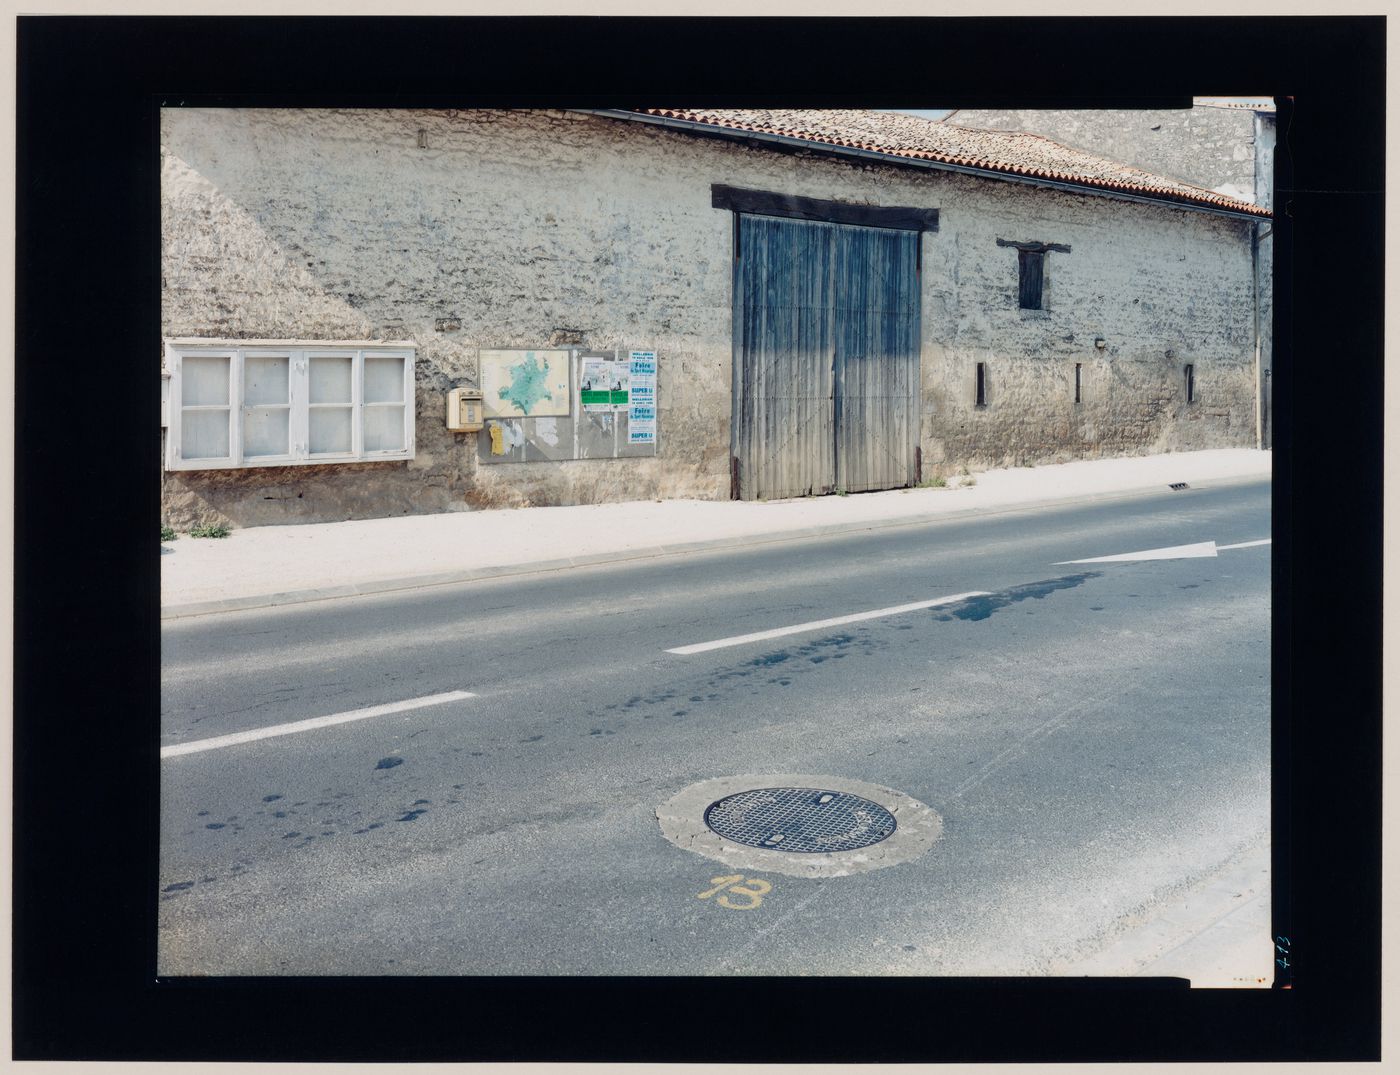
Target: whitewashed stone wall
x=1230, y=150
x=517, y=225
x=1160, y=287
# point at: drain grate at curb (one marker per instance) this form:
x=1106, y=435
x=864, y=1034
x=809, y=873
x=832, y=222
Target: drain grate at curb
x=800, y=820
x=1178, y=486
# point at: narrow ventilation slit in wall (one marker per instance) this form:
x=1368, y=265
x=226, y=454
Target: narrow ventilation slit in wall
x=981, y=384
x=1190, y=383
x=1078, y=382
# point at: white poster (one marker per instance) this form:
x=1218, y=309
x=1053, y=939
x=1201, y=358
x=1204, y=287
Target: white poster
x=641, y=411
x=603, y=384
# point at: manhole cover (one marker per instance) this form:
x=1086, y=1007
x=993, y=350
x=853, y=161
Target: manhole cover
x=804, y=820
x=837, y=826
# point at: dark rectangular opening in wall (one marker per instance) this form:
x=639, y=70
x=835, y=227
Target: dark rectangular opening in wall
x=981, y=384
x=1078, y=382
x=1190, y=383
x=1030, y=257
x=1032, y=277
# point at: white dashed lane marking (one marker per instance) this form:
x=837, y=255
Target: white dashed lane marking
x=1176, y=552
x=818, y=625
x=254, y=734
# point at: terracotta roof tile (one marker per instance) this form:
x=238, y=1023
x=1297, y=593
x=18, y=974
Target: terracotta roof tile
x=916, y=138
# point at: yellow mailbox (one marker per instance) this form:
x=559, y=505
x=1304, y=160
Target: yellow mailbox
x=464, y=410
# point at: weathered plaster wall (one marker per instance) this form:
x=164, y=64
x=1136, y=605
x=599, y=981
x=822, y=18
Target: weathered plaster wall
x=516, y=225
x=1161, y=288
x=337, y=225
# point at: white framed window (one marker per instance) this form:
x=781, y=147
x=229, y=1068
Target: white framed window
x=263, y=403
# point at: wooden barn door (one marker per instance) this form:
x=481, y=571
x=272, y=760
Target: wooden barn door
x=826, y=348
x=876, y=362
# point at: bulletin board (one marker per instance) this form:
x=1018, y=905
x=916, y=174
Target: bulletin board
x=610, y=413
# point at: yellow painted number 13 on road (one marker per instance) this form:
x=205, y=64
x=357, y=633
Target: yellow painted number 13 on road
x=753, y=890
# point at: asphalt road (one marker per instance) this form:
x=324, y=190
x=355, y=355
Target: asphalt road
x=1095, y=737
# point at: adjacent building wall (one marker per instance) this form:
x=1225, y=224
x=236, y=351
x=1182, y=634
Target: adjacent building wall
x=1205, y=146
x=1265, y=139
x=469, y=230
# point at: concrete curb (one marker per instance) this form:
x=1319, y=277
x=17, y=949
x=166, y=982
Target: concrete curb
x=647, y=552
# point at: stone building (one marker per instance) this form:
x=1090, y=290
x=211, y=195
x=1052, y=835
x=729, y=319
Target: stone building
x=830, y=301
x=1225, y=144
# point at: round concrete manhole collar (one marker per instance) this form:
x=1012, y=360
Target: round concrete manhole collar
x=799, y=824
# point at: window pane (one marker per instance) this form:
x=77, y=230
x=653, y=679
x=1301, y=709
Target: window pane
x=383, y=429
x=264, y=380
x=330, y=379
x=330, y=429
x=383, y=379
x=205, y=381
x=204, y=434
x=265, y=431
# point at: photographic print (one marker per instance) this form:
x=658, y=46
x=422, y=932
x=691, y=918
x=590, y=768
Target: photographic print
x=933, y=641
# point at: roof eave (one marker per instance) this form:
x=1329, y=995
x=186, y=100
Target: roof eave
x=740, y=134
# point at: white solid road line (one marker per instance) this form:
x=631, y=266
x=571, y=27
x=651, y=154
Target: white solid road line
x=817, y=625
x=315, y=722
x=1245, y=544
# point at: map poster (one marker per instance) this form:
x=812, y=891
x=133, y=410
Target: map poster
x=604, y=384
x=525, y=384
x=641, y=412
